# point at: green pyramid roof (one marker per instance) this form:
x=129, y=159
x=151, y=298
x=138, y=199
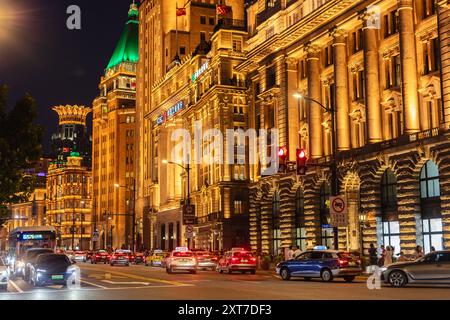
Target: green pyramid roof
x=127, y=50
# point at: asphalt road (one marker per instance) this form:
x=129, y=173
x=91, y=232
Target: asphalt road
x=102, y=282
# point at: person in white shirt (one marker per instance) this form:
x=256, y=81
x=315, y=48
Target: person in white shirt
x=297, y=252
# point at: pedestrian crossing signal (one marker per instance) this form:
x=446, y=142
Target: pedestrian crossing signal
x=282, y=159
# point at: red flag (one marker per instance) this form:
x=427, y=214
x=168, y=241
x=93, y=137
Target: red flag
x=223, y=10
x=181, y=12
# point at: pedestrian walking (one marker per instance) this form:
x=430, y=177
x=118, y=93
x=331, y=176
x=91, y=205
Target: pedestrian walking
x=297, y=252
x=373, y=257
x=388, y=256
x=418, y=253
x=290, y=254
x=402, y=257
x=382, y=256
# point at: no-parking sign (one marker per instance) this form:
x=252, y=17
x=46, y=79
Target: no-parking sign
x=338, y=211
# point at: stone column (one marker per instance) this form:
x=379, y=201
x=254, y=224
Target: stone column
x=372, y=79
x=409, y=66
x=314, y=110
x=341, y=85
x=293, y=107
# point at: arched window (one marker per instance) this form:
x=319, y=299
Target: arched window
x=430, y=194
x=429, y=181
x=300, y=224
x=327, y=230
x=390, y=222
x=276, y=244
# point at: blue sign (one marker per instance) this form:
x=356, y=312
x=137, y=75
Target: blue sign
x=32, y=237
x=170, y=113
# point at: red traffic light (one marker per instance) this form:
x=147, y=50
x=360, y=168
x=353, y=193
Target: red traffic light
x=282, y=152
x=301, y=162
x=282, y=158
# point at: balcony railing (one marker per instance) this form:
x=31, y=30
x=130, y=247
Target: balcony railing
x=268, y=12
x=230, y=24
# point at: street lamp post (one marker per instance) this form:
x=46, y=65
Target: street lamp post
x=334, y=179
x=133, y=215
x=187, y=169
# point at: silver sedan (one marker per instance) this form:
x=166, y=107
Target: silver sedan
x=434, y=268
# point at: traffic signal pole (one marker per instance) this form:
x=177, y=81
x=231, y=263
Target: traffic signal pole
x=334, y=159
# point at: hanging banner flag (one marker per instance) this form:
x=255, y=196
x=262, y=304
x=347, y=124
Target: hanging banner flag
x=223, y=10
x=181, y=12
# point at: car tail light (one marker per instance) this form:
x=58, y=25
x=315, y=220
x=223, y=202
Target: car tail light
x=234, y=259
x=343, y=263
x=252, y=260
x=97, y=256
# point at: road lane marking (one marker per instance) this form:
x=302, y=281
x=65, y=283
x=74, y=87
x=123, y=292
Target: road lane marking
x=16, y=286
x=93, y=284
x=132, y=276
x=123, y=283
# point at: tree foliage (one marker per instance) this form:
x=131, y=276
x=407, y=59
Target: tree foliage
x=20, y=148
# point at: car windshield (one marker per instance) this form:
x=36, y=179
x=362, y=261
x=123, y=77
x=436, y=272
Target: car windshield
x=242, y=255
x=34, y=253
x=53, y=259
x=182, y=254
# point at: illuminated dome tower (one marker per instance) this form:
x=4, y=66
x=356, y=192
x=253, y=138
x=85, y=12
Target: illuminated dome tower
x=72, y=135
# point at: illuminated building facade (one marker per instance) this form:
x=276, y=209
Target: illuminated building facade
x=180, y=82
x=69, y=202
x=378, y=64
x=114, y=140
x=69, y=188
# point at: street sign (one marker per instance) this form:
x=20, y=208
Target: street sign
x=188, y=214
x=189, y=231
x=338, y=211
x=95, y=236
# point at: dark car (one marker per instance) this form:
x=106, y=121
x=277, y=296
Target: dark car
x=434, y=268
x=100, y=256
x=22, y=265
x=138, y=258
x=50, y=269
x=326, y=264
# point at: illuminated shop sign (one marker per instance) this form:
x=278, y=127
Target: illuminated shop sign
x=200, y=71
x=170, y=113
x=26, y=237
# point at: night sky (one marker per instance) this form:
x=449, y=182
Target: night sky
x=39, y=55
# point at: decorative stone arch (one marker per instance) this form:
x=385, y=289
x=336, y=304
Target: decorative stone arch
x=311, y=192
x=257, y=193
x=407, y=168
x=350, y=238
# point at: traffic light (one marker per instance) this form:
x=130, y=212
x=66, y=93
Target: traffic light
x=282, y=159
x=301, y=162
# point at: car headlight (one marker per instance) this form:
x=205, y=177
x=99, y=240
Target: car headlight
x=41, y=271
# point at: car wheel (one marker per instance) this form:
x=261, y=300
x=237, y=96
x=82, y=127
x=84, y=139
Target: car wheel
x=398, y=279
x=285, y=274
x=194, y=271
x=219, y=269
x=349, y=279
x=253, y=272
x=169, y=270
x=326, y=275
x=112, y=264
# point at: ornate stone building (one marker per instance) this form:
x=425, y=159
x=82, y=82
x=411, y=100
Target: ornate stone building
x=377, y=63
x=171, y=50
x=114, y=127
x=69, y=189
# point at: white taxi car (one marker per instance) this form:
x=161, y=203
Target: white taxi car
x=4, y=275
x=181, y=259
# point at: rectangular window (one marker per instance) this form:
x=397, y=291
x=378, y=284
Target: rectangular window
x=202, y=36
x=212, y=21
x=202, y=20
